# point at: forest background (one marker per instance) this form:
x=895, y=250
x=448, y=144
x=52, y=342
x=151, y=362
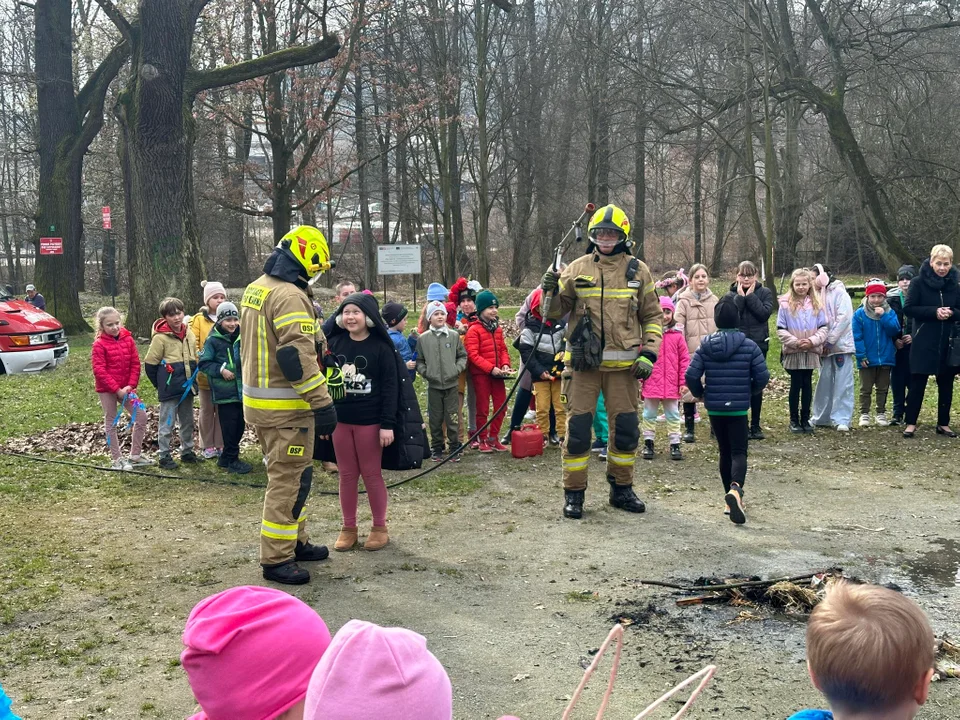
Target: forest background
x=783, y=131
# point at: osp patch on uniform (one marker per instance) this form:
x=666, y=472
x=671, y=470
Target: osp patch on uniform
x=254, y=296
x=308, y=328
x=295, y=451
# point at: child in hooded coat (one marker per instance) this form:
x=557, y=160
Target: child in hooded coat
x=666, y=385
x=116, y=372
x=544, y=362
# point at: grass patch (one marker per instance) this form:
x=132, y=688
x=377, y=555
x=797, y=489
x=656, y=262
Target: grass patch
x=581, y=596
x=443, y=484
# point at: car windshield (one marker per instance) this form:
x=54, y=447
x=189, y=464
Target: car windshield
x=4, y=295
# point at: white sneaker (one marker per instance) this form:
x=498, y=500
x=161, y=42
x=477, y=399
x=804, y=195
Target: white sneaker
x=882, y=420
x=142, y=460
x=210, y=453
x=846, y=428
x=122, y=464
x=864, y=421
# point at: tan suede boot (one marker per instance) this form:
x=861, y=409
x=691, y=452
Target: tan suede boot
x=377, y=538
x=346, y=540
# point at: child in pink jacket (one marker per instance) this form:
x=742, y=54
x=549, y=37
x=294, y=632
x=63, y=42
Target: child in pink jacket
x=666, y=385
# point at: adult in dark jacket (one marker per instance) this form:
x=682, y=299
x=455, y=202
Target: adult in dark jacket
x=900, y=377
x=735, y=370
x=933, y=302
x=755, y=305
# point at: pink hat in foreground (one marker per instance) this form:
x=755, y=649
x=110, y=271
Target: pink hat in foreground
x=375, y=673
x=250, y=652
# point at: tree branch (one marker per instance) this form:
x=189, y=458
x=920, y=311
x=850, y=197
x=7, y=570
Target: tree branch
x=112, y=12
x=92, y=96
x=198, y=81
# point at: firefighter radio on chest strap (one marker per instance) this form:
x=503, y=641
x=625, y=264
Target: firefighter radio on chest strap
x=586, y=348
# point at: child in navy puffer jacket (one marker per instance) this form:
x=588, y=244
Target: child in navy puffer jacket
x=734, y=369
x=875, y=328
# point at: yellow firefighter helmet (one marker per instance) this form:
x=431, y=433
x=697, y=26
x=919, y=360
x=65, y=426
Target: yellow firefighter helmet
x=308, y=245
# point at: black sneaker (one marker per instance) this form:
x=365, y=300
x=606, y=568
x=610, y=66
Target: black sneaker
x=756, y=434
x=807, y=427
x=437, y=456
x=795, y=427
x=167, y=463
x=602, y=457
x=239, y=467
x=554, y=438
x=598, y=445
x=307, y=552
x=675, y=453
x=288, y=573
x=896, y=420
x=191, y=458
x=505, y=440
x=734, y=505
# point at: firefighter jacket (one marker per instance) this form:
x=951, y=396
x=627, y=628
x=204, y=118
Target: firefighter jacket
x=282, y=381
x=625, y=312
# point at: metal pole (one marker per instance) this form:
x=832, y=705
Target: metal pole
x=384, y=289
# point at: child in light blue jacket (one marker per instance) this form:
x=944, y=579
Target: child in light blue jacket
x=875, y=328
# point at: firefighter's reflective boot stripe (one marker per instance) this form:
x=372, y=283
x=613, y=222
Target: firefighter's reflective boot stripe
x=289, y=454
x=620, y=391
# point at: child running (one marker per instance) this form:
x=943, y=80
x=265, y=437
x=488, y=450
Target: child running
x=171, y=365
x=489, y=363
x=440, y=361
x=802, y=329
x=727, y=369
x=875, y=328
x=870, y=651
x=211, y=439
x=220, y=362
x=367, y=414
x=116, y=372
x=666, y=385
x=544, y=362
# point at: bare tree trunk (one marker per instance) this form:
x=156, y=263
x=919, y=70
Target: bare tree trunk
x=698, y=198
x=366, y=231
x=638, y=229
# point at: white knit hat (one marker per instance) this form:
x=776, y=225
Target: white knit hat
x=210, y=289
x=434, y=306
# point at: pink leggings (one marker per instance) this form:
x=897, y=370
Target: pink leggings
x=358, y=454
x=109, y=403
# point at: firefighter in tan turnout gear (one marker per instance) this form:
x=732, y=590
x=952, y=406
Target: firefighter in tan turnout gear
x=285, y=395
x=613, y=338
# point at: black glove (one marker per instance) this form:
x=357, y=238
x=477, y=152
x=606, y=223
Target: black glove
x=325, y=420
x=550, y=281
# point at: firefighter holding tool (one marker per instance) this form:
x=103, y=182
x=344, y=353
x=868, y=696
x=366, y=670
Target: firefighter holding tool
x=286, y=396
x=613, y=338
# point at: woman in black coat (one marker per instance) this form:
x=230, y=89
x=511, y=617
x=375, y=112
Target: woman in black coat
x=755, y=305
x=933, y=302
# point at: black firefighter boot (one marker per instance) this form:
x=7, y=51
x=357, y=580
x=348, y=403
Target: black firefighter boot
x=688, y=436
x=573, y=504
x=647, y=453
x=288, y=573
x=623, y=497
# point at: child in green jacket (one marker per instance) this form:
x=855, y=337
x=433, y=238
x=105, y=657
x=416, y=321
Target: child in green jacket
x=220, y=362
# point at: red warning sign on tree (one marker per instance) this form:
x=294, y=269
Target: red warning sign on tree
x=51, y=246
x=107, y=223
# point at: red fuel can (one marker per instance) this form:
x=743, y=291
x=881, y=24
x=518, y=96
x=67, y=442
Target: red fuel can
x=526, y=442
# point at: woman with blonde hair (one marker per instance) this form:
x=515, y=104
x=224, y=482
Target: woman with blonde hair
x=933, y=301
x=694, y=318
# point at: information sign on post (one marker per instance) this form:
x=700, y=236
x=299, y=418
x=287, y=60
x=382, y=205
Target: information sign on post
x=107, y=222
x=51, y=246
x=398, y=260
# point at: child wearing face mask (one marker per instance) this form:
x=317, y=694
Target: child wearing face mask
x=116, y=372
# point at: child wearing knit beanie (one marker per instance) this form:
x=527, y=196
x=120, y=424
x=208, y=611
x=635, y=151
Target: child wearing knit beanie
x=440, y=360
x=875, y=329
x=374, y=673
x=211, y=437
x=249, y=653
x=489, y=363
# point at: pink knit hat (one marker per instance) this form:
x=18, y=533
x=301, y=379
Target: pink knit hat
x=250, y=652
x=210, y=289
x=375, y=673
x=666, y=302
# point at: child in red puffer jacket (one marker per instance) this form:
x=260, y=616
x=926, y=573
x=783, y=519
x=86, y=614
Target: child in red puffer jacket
x=489, y=363
x=116, y=372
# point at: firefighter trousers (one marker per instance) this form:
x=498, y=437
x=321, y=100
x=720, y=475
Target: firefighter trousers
x=289, y=454
x=621, y=393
